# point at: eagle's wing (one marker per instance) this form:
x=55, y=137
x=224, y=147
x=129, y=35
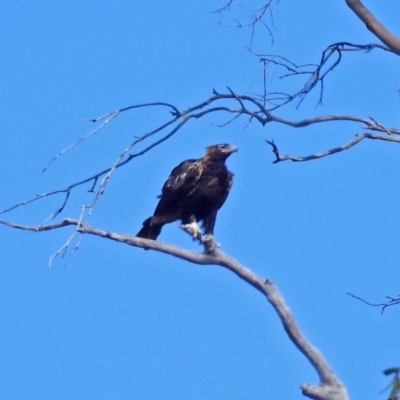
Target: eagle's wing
x=220, y=190
x=181, y=183
x=227, y=188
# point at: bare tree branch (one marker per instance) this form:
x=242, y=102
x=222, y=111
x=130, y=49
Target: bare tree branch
x=80, y=140
x=251, y=20
x=329, y=152
x=249, y=106
x=391, y=301
x=329, y=387
x=317, y=72
x=262, y=108
x=105, y=120
x=374, y=26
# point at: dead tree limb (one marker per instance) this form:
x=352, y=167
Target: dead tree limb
x=329, y=387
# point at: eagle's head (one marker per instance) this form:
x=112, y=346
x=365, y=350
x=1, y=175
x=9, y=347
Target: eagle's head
x=219, y=151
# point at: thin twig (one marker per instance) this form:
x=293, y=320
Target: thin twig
x=392, y=301
x=113, y=115
x=329, y=152
x=317, y=72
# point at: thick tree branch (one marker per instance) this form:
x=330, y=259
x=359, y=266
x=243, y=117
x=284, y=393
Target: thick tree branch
x=329, y=387
x=374, y=26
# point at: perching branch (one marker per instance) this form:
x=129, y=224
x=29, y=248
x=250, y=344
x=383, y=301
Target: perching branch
x=329, y=386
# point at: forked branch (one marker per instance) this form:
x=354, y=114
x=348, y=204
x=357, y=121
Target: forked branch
x=314, y=73
x=391, y=301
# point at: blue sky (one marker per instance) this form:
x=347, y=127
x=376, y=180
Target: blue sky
x=112, y=322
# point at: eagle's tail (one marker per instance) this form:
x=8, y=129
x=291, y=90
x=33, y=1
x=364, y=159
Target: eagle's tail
x=150, y=230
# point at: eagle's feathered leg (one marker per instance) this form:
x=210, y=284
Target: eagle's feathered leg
x=192, y=228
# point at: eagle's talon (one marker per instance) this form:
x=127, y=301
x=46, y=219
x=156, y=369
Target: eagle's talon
x=210, y=245
x=192, y=229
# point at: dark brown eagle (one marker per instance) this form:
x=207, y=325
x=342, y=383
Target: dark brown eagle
x=194, y=192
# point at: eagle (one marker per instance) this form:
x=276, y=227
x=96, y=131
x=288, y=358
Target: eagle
x=194, y=192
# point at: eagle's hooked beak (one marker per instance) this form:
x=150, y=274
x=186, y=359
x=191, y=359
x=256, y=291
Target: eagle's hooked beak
x=231, y=149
